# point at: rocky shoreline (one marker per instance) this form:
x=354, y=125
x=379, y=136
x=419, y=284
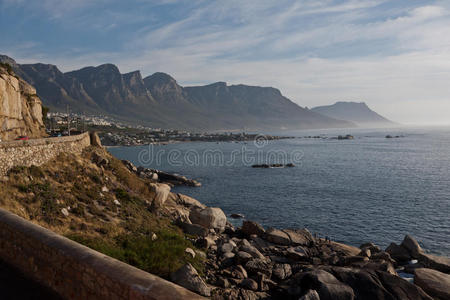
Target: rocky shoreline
x=253, y=262
x=160, y=176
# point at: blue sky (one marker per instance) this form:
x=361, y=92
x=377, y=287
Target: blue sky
x=394, y=55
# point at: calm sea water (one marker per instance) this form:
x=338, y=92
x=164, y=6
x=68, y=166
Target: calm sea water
x=367, y=189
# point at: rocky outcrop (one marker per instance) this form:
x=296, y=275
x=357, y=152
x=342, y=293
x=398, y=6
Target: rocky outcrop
x=20, y=107
x=438, y=263
x=160, y=176
x=433, y=282
x=188, y=277
x=293, y=264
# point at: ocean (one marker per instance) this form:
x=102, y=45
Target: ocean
x=367, y=189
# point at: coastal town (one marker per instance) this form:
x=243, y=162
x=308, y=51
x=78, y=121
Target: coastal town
x=116, y=133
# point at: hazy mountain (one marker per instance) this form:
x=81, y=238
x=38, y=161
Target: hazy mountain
x=159, y=101
x=357, y=112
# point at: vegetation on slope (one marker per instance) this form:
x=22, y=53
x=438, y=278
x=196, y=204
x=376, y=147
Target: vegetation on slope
x=94, y=199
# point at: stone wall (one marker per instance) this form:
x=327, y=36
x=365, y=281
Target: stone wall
x=39, y=151
x=75, y=271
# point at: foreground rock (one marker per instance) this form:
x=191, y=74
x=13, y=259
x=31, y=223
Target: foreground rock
x=438, y=263
x=188, y=277
x=210, y=217
x=254, y=263
x=433, y=282
x=292, y=264
x=326, y=285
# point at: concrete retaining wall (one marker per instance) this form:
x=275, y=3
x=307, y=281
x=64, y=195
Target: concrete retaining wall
x=39, y=151
x=75, y=271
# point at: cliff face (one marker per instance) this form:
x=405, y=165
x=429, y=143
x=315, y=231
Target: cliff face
x=20, y=108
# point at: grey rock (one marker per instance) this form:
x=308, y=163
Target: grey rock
x=371, y=246
x=297, y=253
x=369, y=284
x=277, y=237
x=161, y=193
x=226, y=247
x=435, y=283
x=228, y=255
x=210, y=217
x=249, y=284
x=196, y=230
x=399, y=253
x=326, y=285
x=299, y=237
x=439, y=263
x=251, y=250
x=258, y=265
x=282, y=271
x=413, y=247
x=250, y=227
x=188, y=277
x=243, y=257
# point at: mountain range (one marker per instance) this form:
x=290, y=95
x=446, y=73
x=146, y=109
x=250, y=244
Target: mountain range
x=356, y=112
x=159, y=101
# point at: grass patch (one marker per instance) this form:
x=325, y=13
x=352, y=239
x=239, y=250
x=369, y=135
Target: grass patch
x=161, y=257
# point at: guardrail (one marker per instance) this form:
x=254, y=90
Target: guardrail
x=75, y=271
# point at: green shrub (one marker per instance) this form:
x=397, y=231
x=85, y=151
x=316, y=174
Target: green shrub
x=36, y=171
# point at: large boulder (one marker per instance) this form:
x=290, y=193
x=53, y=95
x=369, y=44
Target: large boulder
x=277, y=237
x=282, y=271
x=258, y=265
x=194, y=229
x=370, y=284
x=413, y=247
x=400, y=288
x=435, y=283
x=250, y=227
x=299, y=237
x=343, y=249
x=439, y=263
x=399, y=253
x=188, y=277
x=251, y=250
x=326, y=285
x=161, y=193
x=210, y=217
x=189, y=201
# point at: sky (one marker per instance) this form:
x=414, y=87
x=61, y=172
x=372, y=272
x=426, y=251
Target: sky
x=393, y=55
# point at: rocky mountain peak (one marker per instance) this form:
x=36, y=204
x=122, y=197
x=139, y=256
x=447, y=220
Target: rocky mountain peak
x=161, y=83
